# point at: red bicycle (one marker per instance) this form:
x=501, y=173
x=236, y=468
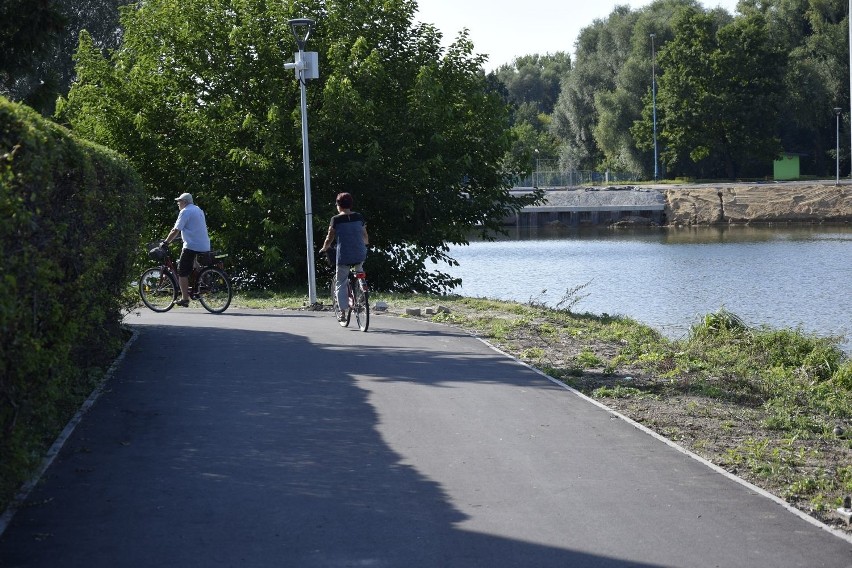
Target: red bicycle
x=208, y=282
x=358, y=293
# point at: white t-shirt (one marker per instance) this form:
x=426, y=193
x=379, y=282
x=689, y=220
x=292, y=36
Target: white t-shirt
x=193, y=228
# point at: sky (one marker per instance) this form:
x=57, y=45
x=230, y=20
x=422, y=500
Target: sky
x=505, y=29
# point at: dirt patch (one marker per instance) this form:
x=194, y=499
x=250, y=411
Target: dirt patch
x=758, y=203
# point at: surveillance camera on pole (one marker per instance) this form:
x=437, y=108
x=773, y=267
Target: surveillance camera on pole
x=306, y=67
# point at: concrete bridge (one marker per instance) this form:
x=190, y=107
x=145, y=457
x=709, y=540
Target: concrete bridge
x=592, y=206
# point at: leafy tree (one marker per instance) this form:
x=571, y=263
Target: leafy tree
x=619, y=108
x=618, y=103
x=198, y=99
x=815, y=35
x=37, y=42
x=719, y=96
x=531, y=85
x=599, y=55
x=775, y=74
x=535, y=79
x=29, y=29
x=532, y=143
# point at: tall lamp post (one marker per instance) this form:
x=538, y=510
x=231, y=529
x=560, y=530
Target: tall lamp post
x=305, y=64
x=654, y=100
x=837, y=144
x=535, y=175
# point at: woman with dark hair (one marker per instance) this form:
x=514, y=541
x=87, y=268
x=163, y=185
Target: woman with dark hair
x=350, y=231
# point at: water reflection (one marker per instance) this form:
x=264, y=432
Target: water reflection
x=680, y=235
x=669, y=277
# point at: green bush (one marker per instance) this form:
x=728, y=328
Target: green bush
x=720, y=324
x=71, y=219
x=843, y=376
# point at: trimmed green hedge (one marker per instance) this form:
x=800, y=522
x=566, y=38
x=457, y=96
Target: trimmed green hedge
x=71, y=213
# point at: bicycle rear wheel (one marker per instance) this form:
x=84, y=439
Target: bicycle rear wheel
x=362, y=304
x=338, y=312
x=158, y=289
x=214, y=290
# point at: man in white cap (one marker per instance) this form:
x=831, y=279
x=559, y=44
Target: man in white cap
x=191, y=225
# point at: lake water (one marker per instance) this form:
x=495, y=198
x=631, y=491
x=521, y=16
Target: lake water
x=668, y=278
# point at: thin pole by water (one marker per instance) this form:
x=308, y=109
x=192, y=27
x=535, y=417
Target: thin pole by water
x=837, y=149
x=654, y=99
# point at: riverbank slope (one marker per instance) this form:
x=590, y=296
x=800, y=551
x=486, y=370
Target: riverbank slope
x=742, y=203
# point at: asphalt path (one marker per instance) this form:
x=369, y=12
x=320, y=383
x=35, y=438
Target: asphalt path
x=279, y=439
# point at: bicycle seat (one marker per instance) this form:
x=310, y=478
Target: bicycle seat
x=211, y=257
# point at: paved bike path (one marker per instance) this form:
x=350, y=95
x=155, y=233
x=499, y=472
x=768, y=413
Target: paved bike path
x=277, y=438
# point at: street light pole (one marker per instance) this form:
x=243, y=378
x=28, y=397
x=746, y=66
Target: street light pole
x=837, y=145
x=536, y=181
x=306, y=68
x=654, y=100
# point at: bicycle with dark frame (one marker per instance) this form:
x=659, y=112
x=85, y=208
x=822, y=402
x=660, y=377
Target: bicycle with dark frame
x=208, y=282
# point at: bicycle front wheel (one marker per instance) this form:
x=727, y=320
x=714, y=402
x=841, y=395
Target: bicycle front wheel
x=158, y=289
x=362, y=304
x=343, y=316
x=214, y=290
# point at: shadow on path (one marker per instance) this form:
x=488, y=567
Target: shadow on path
x=229, y=447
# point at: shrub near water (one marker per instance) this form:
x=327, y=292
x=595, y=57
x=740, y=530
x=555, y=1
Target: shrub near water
x=801, y=379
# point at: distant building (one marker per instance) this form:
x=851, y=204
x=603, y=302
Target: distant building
x=786, y=167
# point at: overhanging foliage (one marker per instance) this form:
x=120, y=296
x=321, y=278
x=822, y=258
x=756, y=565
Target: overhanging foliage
x=198, y=99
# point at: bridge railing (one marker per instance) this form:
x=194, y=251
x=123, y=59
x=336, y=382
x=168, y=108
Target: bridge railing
x=574, y=178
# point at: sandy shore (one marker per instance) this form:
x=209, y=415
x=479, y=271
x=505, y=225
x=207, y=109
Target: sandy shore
x=808, y=202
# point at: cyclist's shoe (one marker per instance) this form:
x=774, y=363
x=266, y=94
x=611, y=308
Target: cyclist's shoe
x=341, y=317
x=181, y=303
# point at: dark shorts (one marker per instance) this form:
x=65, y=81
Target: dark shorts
x=186, y=262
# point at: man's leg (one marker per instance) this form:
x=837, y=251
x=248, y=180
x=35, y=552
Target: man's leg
x=185, y=263
x=184, y=288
